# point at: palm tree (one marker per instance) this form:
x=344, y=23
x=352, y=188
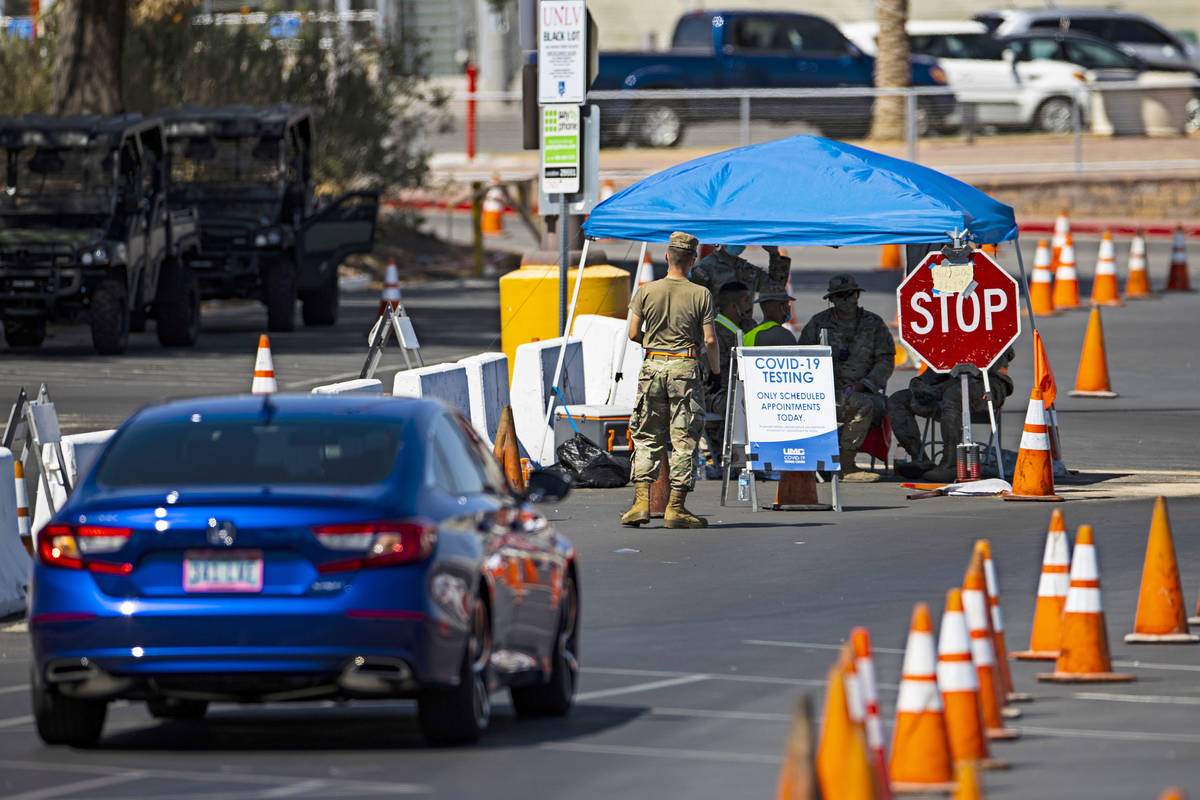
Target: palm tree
x=892, y=68
x=87, y=73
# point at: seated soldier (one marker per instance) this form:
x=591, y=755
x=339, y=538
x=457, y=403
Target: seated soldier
x=939, y=396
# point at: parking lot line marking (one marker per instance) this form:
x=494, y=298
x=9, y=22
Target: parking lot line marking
x=1116, y=736
x=11, y=689
x=305, y=384
x=1145, y=665
x=13, y=722
x=1152, y=699
x=662, y=752
x=78, y=786
x=702, y=713
x=715, y=676
x=300, y=787
x=640, y=687
x=816, y=646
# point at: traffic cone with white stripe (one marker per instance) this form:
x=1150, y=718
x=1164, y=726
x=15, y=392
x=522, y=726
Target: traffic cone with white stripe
x=1160, y=616
x=1091, y=380
x=984, y=548
x=1104, y=282
x=1052, y=594
x=607, y=189
x=1062, y=229
x=843, y=769
x=864, y=665
x=1137, y=283
x=1033, y=478
x=390, y=297
x=264, y=369
x=966, y=773
x=920, y=759
x=1083, y=652
x=1066, y=280
x=1177, y=279
x=1041, y=285
x=645, y=271
x=959, y=684
x=491, y=220
x=22, y=504
x=983, y=654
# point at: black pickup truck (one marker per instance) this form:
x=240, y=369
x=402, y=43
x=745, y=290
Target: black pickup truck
x=86, y=231
x=750, y=50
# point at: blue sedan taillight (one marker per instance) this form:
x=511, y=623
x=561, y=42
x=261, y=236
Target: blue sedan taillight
x=380, y=543
x=72, y=547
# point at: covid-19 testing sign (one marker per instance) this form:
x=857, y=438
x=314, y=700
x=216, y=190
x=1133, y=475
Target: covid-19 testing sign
x=791, y=416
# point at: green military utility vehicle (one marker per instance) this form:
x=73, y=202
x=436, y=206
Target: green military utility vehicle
x=86, y=232
x=249, y=172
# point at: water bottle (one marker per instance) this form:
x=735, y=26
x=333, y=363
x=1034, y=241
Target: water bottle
x=701, y=472
x=744, y=484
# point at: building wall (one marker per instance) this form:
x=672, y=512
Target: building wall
x=629, y=24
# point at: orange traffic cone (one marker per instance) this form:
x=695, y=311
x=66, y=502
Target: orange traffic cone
x=1137, y=284
x=864, y=666
x=889, y=257
x=390, y=297
x=507, y=450
x=1062, y=229
x=1173, y=793
x=991, y=686
x=1066, y=281
x=797, y=778
x=1092, y=378
x=920, y=745
x=843, y=770
x=1160, y=615
x=1083, y=656
x=1052, y=594
x=905, y=359
x=491, y=221
x=607, y=189
x=1177, y=279
x=959, y=684
x=1033, y=478
x=264, y=369
x=22, y=503
x=1104, y=282
x=645, y=271
x=1041, y=286
x=984, y=548
x=969, y=785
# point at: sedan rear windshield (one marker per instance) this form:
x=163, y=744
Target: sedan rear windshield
x=344, y=452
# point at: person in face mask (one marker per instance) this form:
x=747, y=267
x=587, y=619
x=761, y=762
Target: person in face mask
x=777, y=309
x=863, y=360
x=725, y=265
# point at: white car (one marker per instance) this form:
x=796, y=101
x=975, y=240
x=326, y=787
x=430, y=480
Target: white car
x=1002, y=89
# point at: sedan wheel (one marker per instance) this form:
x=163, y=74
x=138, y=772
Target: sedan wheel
x=1056, y=115
x=461, y=714
x=555, y=697
x=67, y=720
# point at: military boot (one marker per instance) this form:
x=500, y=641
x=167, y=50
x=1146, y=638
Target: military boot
x=946, y=471
x=676, y=516
x=851, y=473
x=917, y=464
x=639, y=513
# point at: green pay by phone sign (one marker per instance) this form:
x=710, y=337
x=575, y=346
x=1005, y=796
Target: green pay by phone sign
x=561, y=137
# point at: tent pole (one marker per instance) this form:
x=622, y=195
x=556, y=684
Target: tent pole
x=562, y=348
x=1025, y=285
x=620, y=365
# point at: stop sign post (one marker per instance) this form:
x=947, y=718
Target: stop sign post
x=973, y=325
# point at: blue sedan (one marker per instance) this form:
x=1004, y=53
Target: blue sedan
x=274, y=548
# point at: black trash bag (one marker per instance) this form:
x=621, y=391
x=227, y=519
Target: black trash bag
x=590, y=465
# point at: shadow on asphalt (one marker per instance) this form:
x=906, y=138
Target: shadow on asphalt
x=351, y=728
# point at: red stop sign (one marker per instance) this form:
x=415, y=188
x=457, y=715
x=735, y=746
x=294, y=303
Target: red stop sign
x=970, y=327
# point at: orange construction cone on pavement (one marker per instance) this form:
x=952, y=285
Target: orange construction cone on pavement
x=843, y=769
x=507, y=450
x=607, y=189
x=1041, y=285
x=984, y=548
x=1104, y=282
x=1177, y=278
x=1062, y=229
x=491, y=222
x=920, y=759
x=966, y=773
x=22, y=503
x=889, y=257
x=1092, y=378
x=1173, y=793
x=1083, y=651
x=264, y=369
x=1160, y=615
x=959, y=684
x=1033, y=478
x=645, y=271
x=390, y=297
x=983, y=654
x=1137, y=283
x=1066, y=280
x=1052, y=594
x=864, y=665
x=797, y=774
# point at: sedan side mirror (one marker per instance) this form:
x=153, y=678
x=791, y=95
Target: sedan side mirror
x=548, y=486
x=1008, y=55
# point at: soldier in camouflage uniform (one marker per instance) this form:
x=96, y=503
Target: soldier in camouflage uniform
x=678, y=317
x=725, y=264
x=863, y=360
x=939, y=396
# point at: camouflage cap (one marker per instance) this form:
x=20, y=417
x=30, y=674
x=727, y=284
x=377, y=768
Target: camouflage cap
x=684, y=241
x=842, y=283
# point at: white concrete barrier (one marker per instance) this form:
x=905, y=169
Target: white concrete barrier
x=14, y=561
x=487, y=385
x=602, y=338
x=445, y=382
x=532, y=389
x=79, y=451
x=356, y=386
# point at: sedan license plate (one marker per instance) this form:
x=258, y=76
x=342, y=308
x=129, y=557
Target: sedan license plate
x=219, y=571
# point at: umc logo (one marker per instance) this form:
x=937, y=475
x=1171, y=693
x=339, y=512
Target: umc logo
x=793, y=455
x=221, y=532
